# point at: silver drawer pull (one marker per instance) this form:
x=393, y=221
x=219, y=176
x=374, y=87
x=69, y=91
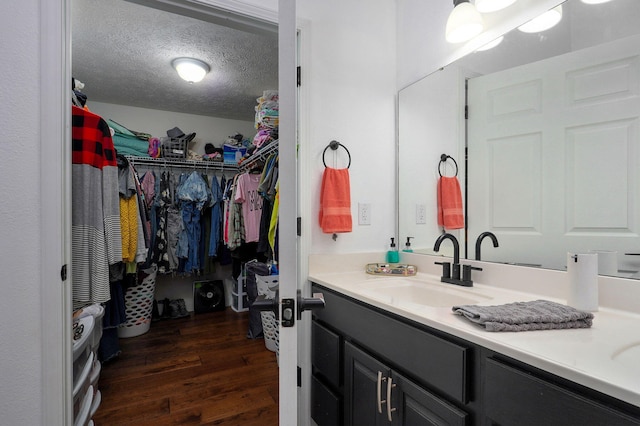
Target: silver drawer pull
x=390, y=385
x=380, y=400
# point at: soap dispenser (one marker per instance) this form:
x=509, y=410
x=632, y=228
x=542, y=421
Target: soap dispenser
x=392, y=254
x=407, y=245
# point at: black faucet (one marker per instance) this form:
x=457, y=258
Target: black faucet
x=479, y=242
x=451, y=273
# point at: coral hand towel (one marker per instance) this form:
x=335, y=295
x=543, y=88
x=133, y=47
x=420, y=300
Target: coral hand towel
x=335, y=201
x=450, y=214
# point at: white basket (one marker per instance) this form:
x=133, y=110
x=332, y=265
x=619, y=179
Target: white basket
x=270, y=330
x=138, y=301
x=267, y=286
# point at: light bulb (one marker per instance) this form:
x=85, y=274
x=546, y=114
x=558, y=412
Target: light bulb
x=464, y=23
x=543, y=22
x=190, y=70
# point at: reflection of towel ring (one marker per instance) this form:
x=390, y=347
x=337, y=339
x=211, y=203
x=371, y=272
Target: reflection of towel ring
x=335, y=145
x=443, y=159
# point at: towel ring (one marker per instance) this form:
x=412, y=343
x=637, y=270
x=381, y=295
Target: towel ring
x=443, y=159
x=334, y=145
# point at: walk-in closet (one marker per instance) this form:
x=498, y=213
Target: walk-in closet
x=174, y=215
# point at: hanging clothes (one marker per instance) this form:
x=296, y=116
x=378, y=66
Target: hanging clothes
x=95, y=217
x=193, y=194
x=247, y=195
x=216, y=216
x=160, y=249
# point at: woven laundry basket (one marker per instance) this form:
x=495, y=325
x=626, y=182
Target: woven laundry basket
x=138, y=302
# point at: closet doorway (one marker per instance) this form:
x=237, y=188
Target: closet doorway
x=122, y=53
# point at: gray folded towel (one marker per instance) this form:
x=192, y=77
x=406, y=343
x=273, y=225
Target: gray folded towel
x=524, y=316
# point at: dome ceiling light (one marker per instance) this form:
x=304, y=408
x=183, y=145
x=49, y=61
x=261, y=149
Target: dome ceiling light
x=190, y=69
x=464, y=22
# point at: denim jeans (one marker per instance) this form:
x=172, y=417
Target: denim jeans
x=191, y=219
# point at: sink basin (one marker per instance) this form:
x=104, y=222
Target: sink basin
x=404, y=292
x=628, y=355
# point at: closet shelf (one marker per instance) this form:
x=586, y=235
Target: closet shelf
x=261, y=155
x=183, y=163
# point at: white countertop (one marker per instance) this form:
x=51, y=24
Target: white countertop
x=604, y=357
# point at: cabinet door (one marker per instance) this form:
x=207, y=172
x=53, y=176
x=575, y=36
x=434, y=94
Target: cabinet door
x=514, y=396
x=365, y=388
x=415, y=406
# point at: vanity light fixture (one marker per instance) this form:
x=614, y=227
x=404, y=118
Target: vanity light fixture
x=488, y=6
x=190, y=69
x=543, y=22
x=464, y=22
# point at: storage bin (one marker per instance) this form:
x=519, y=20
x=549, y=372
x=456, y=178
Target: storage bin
x=232, y=154
x=173, y=148
x=138, y=301
x=240, y=302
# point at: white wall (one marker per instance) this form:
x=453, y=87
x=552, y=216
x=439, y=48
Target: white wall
x=349, y=85
x=156, y=122
x=20, y=304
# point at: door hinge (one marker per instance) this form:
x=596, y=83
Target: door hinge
x=298, y=77
x=299, y=377
x=63, y=272
x=466, y=112
x=299, y=226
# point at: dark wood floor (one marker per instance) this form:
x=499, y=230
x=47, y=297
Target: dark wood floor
x=198, y=370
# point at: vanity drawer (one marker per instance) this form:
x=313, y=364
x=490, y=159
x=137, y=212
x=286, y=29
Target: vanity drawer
x=325, y=405
x=516, y=396
x=440, y=364
x=326, y=353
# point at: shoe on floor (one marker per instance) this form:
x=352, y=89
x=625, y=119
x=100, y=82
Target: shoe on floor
x=155, y=313
x=166, y=309
x=182, y=308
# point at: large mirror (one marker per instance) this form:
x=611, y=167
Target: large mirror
x=549, y=157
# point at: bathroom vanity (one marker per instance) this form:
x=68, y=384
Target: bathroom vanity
x=401, y=361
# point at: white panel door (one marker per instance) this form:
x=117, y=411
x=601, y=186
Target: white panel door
x=553, y=156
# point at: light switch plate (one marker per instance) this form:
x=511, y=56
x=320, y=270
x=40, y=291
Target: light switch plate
x=421, y=214
x=364, y=214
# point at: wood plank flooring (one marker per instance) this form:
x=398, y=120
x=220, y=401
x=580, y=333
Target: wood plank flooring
x=198, y=370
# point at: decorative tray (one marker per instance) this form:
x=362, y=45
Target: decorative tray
x=391, y=269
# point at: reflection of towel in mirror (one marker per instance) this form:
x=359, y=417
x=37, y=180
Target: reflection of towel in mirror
x=335, y=201
x=450, y=214
x=525, y=316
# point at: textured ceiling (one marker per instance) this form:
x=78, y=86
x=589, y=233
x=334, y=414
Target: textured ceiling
x=123, y=52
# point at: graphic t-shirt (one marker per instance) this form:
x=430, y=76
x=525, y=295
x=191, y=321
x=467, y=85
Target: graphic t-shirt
x=247, y=195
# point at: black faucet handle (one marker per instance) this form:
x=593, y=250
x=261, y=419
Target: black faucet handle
x=446, y=269
x=466, y=272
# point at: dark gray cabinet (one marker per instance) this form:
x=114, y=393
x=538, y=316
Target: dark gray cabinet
x=375, y=394
x=516, y=396
x=361, y=353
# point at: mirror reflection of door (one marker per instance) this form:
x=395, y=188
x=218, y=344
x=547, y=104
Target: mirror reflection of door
x=555, y=150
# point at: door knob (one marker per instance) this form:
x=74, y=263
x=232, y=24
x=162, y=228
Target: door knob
x=309, y=303
x=263, y=304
